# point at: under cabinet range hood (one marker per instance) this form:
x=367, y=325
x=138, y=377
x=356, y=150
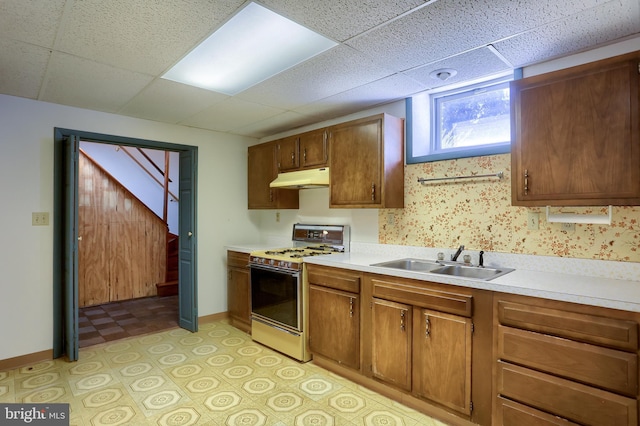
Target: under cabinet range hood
x=302, y=179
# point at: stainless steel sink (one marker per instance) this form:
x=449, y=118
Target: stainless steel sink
x=435, y=267
x=475, y=272
x=408, y=264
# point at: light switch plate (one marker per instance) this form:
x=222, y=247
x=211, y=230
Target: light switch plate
x=40, y=219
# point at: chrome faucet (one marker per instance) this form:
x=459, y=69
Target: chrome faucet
x=455, y=256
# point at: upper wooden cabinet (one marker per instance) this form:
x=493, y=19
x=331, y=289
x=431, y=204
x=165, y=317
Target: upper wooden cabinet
x=576, y=136
x=367, y=163
x=262, y=170
x=304, y=151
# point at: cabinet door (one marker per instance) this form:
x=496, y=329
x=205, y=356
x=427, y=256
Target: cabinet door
x=239, y=297
x=334, y=325
x=356, y=163
x=442, y=359
x=391, y=342
x=287, y=150
x=261, y=171
x=313, y=149
x=576, y=136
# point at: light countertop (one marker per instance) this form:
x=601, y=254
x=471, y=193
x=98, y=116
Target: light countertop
x=606, y=284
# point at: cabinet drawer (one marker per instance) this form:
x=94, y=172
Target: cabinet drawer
x=237, y=259
x=573, y=401
x=615, y=333
x=607, y=368
x=334, y=279
x=444, y=301
x=510, y=413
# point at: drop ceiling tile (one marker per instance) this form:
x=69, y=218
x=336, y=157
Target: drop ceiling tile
x=340, y=19
x=596, y=26
x=145, y=36
x=170, y=102
x=17, y=19
x=388, y=89
x=469, y=66
x=280, y=123
x=446, y=28
x=231, y=113
x=329, y=73
x=86, y=84
x=22, y=68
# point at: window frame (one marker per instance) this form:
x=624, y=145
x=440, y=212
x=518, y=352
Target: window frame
x=426, y=133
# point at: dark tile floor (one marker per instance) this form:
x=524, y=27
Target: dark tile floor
x=117, y=320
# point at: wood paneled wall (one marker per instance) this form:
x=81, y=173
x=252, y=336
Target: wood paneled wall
x=122, y=251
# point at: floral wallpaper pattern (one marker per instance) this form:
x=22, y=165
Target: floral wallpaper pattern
x=478, y=213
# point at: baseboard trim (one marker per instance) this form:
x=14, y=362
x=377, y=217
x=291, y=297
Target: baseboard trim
x=213, y=317
x=22, y=360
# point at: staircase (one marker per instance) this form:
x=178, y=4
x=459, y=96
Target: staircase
x=170, y=286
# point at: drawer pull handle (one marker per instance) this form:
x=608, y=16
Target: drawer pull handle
x=526, y=182
x=402, y=325
x=351, y=307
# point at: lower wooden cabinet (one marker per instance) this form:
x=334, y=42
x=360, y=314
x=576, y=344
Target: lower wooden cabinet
x=334, y=315
x=391, y=350
x=442, y=359
x=572, y=362
x=511, y=413
x=238, y=290
x=565, y=398
x=475, y=357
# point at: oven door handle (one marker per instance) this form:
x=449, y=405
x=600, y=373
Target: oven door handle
x=274, y=269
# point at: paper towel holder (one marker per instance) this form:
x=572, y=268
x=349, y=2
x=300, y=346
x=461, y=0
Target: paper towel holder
x=578, y=218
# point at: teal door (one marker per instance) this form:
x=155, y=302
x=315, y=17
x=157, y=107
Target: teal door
x=70, y=268
x=187, y=290
x=65, y=253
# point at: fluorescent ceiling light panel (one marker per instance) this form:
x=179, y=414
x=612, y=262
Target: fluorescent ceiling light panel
x=252, y=46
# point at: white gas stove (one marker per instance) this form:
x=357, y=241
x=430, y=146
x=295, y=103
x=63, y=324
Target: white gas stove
x=278, y=297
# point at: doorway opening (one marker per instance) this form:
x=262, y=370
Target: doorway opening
x=127, y=252
x=66, y=233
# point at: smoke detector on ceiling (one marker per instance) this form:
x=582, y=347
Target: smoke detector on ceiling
x=443, y=74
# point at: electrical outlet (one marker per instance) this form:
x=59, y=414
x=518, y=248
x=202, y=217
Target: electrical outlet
x=533, y=221
x=568, y=227
x=391, y=219
x=40, y=219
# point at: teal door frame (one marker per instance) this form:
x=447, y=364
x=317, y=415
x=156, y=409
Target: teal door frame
x=65, y=295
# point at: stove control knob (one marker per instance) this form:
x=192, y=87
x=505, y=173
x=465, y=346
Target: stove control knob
x=272, y=261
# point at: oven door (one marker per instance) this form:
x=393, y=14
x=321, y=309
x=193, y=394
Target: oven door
x=276, y=296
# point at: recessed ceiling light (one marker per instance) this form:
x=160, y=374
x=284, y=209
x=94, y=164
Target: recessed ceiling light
x=253, y=45
x=443, y=74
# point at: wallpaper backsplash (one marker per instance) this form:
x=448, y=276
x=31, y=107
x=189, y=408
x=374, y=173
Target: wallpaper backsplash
x=478, y=213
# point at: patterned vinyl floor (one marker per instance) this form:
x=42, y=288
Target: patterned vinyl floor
x=217, y=376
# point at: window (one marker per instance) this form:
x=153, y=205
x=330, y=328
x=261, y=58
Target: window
x=463, y=122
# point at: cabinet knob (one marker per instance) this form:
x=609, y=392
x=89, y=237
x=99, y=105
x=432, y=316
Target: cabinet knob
x=293, y=158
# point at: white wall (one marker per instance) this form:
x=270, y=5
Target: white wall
x=26, y=186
